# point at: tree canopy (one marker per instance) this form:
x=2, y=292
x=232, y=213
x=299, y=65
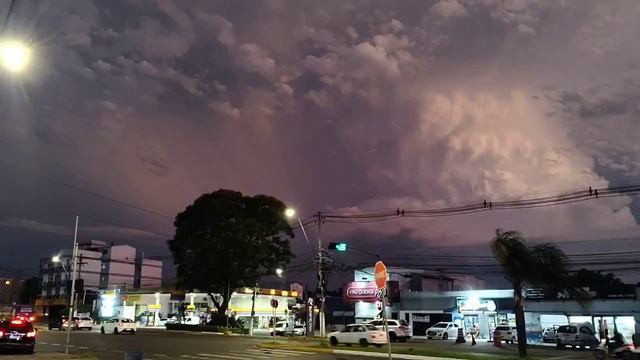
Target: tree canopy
x=543, y=264
x=602, y=284
x=226, y=239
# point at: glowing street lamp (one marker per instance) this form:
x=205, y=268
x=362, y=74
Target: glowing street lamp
x=279, y=272
x=14, y=56
x=289, y=212
x=57, y=259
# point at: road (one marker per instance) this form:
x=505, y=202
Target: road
x=165, y=345
x=158, y=344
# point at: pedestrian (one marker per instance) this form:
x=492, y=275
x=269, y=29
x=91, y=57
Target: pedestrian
x=474, y=334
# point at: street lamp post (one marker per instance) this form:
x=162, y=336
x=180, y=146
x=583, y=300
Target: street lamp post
x=290, y=213
x=279, y=273
x=73, y=282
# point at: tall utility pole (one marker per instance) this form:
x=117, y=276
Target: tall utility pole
x=321, y=276
x=253, y=306
x=73, y=284
x=75, y=297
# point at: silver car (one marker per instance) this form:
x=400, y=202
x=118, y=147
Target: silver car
x=549, y=335
x=574, y=335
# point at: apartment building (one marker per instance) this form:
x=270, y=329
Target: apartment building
x=100, y=266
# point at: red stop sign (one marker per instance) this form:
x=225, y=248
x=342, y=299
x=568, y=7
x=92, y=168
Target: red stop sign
x=381, y=275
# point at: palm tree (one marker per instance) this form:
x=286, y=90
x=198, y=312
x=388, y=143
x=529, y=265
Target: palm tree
x=541, y=265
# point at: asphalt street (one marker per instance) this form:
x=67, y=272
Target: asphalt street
x=158, y=344
x=164, y=345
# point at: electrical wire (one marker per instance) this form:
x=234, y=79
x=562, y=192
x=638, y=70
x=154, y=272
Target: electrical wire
x=7, y=17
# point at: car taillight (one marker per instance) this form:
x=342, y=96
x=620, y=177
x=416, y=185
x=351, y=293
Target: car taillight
x=31, y=334
x=31, y=318
x=1, y=334
x=16, y=322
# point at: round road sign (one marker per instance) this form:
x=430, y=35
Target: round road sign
x=274, y=303
x=381, y=275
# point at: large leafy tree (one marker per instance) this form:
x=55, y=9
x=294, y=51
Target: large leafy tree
x=602, y=284
x=224, y=240
x=523, y=265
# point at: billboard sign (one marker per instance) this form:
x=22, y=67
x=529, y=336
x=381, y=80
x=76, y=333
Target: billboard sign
x=366, y=291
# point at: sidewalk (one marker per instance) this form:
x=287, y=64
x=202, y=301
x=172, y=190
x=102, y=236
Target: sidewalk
x=429, y=350
x=45, y=355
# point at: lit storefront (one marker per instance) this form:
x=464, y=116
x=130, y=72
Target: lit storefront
x=620, y=312
x=148, y=308
x=240, y=307
x=466, y=308
x=487, y=309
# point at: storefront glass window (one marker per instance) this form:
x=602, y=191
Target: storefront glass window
x=625, y=326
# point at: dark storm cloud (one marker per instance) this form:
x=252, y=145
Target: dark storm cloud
x=349, y=105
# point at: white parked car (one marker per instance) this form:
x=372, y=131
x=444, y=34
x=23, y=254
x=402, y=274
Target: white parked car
x=84, y=322
x=299, y=330
x=443, y=330
x=507, y=333
x=399, y=330
x=78, y=323
x=363, y=334
x=282, y=328
x=118, y=325
x=191, y=320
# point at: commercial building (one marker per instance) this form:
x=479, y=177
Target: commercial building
x=148, y=307
x=487, y=308
x=100, y=266
x=362, y=291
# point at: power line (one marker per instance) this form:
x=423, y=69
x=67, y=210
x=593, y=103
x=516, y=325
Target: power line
x=6, y=18
x=89, y=192
x=126, y=226
x=486, y=205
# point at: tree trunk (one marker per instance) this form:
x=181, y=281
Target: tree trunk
x=521, y=328
x=221, y=308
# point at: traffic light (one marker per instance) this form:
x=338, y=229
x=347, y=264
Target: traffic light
x=338, y=246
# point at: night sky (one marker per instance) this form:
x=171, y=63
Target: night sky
x=342, y=106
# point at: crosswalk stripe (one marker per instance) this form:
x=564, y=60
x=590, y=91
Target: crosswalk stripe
x=219, y=356
x=287, y=352
x=251, y=355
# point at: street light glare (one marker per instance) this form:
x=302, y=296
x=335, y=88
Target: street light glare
x=8, y=282
x=279, y=272
x=14, y=56
x=290, y=213
x=56, y=258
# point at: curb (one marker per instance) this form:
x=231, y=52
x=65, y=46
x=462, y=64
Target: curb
x=395, y=356
x=295, y=348
x=351, y=352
